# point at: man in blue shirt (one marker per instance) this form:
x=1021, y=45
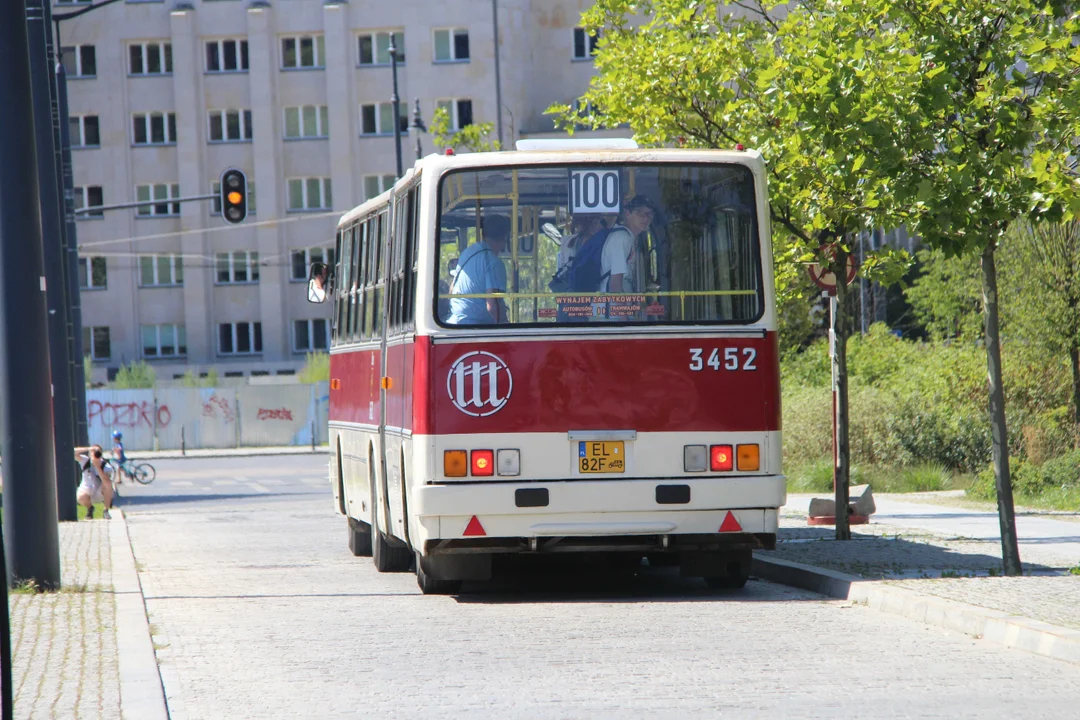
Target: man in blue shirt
x=480, y=271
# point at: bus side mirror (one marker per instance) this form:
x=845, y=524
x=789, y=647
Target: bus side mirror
x=318, y=282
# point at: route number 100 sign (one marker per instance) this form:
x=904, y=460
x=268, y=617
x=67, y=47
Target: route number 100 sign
x=594, y=191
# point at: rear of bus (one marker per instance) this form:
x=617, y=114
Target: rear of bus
x=638, y=417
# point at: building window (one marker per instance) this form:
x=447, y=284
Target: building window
x=96, y=343
x=215, y=204
x=226, y=56
x=452, y=45
x=85, y=132
x=73, y=2
x=230, y=125
x=168, y=340
x=307, y=121
x=375, y=184
x=242, y=338
x=158, y=191
x=238, y=267
x=375, y=48
x=89, y=196
x=310, y=194
x=378, y=118
x=153, y=129
x=460, y=112
x=310, y=335
x=303, y=51
x=164, y=270
x=302, y=259
x=154, y=58
x=93, y=273
x=79, y=60
x=584, y=44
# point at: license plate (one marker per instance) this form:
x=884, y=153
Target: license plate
x=601, y=456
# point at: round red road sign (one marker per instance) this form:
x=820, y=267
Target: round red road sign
x=826, y=279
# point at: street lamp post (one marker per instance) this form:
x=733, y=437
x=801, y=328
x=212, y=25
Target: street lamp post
x=418, y=127
x=394, y=100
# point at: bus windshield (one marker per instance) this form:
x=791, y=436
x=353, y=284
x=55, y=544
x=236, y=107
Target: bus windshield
x=623, y=244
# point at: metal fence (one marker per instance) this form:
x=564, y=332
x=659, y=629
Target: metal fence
x=244, y=416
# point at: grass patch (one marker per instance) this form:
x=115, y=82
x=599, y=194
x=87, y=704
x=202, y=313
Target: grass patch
x=817, y=477
x=98, y=509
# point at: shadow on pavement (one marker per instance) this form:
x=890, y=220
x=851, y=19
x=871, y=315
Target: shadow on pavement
x=141, y=500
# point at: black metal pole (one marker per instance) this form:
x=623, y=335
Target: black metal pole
x=7, y=694
x=30, y=522
x=394, y=100
x=37, y=27
x=418, y=127
x=78, y=385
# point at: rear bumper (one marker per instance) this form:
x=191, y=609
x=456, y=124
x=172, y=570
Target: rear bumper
x=623, y=514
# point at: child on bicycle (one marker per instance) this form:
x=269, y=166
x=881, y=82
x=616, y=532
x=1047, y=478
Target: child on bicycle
x=118, y=454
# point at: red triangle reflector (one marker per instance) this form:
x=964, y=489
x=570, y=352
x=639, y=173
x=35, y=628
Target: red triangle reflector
x=730, y=524
x=474, y=528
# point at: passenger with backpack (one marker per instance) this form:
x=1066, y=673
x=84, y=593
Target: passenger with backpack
x=480, y=271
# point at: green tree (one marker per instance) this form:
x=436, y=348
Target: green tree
x=135, y=375
x=471, y=138
x=947, y=296
x=819, y=92
x=990, y=138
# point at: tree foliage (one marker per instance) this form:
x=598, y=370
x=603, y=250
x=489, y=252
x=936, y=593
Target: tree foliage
x=471, y=138
x=316, y=368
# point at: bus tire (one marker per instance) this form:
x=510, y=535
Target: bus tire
x=430, y=585
x=359, y=538
x=738, y=571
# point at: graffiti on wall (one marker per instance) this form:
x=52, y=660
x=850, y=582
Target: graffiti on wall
x=275, y=414
x=127, y=415
x=218, y=406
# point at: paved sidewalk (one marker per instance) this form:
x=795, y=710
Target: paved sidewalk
x=229, y=452
x=64, y=656
x=915, y=552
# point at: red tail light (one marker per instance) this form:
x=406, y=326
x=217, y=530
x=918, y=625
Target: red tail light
x=720, y=458
x=483, y=463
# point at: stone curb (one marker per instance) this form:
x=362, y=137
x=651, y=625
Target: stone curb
x=226, y=452
x=995, y=626
x=142, y=696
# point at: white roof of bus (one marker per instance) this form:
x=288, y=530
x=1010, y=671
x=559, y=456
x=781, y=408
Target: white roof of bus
x=438, y=164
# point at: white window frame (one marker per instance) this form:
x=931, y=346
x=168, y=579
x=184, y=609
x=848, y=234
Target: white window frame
x=451, y=34
x=375, y=36
x=252, y=337
x=218, y=44
x=215, y=204
x=243, y=120
x=168, y=121
x=311, y=347
x=158, y=191
x=589, y=42
x=89, y=346
x=176, y=270
x=322, y=122
x=77, y=54
x=165, y=59
x=325, y=193
x=80, y=122
x=86, y=269
x=384, y=182
x=453, y=105
x=249, y=261
x=179, y=341
x=380, y=130
x=82, y=199
x=308, y=256
x=318, y=42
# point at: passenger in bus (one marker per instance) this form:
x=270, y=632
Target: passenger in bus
x=617, y=261
x=481, y=271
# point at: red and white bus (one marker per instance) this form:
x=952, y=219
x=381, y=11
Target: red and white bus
x=630, y=410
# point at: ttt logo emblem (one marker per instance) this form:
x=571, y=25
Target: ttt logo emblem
x=479, y=383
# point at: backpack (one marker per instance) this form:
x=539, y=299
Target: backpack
x=583, y=273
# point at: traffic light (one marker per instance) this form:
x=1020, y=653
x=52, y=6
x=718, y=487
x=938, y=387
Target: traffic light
x=234, y=190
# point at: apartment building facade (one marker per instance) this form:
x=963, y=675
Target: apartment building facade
x=164, y=97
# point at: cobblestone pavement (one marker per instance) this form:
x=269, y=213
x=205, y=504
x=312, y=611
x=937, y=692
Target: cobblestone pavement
x=961, y=569
x=259, y=611
x=64, y=644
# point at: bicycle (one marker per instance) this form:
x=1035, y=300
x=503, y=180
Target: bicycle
x=144, y=473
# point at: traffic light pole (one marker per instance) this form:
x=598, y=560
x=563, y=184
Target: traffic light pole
x=90, y=209
x=31, y=538
x=55, y=261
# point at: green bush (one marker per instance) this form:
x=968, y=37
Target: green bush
x=135, y=375
x=316, y=369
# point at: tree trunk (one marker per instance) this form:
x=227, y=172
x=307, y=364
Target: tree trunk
x=1074, y=358
x=842, y=471
x=1010, y=552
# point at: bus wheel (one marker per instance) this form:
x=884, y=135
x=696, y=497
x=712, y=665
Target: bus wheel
x=431, y=585
x=738, y=571
x=359, y=538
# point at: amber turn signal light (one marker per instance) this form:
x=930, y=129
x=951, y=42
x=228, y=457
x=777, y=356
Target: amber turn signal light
x=748, y=457
x=455, y=463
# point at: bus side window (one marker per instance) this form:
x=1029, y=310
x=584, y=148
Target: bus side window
x=343, y=285
x=357, y=274
x=409, y=286
x=335, y=326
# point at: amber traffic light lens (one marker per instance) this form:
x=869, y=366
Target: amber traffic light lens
x=235, y=197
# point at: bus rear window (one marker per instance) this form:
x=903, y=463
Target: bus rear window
x=623, y=244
